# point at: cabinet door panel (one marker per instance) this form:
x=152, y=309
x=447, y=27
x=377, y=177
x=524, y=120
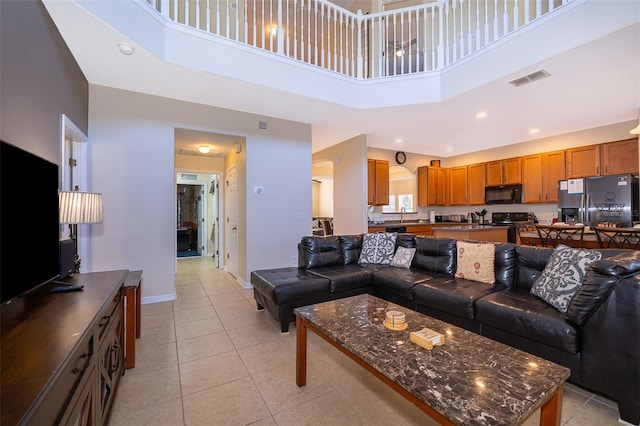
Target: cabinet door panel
x=476, y=175
x=532, y=179
x=553, y=170
x=371, y=182
x=444, y=187
x=494, y=173
x=459, y=186
x=583, y=161
x=620, y=157
x=512, y=168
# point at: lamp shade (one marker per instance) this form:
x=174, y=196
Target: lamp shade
x=80, y=207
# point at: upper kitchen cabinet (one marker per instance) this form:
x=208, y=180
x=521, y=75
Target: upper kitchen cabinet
x=503, y=172
x=377, y=182
x=476, y=179
x=540, y=176
x=620, y=157
x=583, y=161
x=432, y=186
x=458, y=185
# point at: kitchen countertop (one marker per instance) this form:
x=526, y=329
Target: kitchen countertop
x=426, y=222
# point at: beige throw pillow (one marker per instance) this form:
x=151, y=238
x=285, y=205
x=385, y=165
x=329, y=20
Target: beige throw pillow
x=475, y=261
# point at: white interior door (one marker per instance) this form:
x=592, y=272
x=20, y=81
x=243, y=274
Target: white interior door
x=231, y=222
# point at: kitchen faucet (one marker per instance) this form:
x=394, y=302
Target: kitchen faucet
x=402, y=212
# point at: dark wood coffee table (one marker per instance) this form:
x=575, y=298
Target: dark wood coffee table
x=469, y=380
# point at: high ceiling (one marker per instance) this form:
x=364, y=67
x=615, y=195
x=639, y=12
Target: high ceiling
x=594, y=83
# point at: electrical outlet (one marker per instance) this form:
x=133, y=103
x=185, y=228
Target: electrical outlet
x=294, y=260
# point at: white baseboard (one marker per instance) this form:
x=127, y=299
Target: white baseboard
x=157, y=299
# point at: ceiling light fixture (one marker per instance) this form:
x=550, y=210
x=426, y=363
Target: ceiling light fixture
x=481, y=115
x=534, y=131
x=204, y=149
x=126, y=49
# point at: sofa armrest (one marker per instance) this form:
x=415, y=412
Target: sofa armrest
x=599, y=280
x=315, y=252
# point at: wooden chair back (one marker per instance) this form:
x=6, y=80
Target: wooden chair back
x=552, y=235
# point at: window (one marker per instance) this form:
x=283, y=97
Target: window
x=400, y=200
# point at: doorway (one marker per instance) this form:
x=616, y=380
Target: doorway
x=190, y=220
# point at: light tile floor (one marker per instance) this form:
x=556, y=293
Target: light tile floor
x=210, y=358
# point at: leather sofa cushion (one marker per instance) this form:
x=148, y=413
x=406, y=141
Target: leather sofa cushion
x=351, y=248
x=519, y=312
x=453, y=295
x=345, y=277
x=530, y=262
x=435, y=255
x=399, y=281
x=314, y=252
x=598, y=283
x=505, y=264
x=283, y=285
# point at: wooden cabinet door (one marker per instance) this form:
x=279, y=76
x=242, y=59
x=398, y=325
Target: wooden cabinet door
x=382, y=182
x=553, y=170
x=432, y=186
x=532, y=179
x=620, y=157
x=583, y=161
x=476, y=175
x=371, y=182
x=459, y=186
x=444, y=187
x=512, y=170
x=377, y=182
x=494, y=173
x=423, y=180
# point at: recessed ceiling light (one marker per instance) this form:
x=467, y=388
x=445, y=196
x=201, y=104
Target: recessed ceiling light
x=126, y=49
x=481, y=114
x=534, y=131
x=398, y=140
x=204, y=149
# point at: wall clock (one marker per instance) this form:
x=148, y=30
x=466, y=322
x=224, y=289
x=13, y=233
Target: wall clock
x=401, y=157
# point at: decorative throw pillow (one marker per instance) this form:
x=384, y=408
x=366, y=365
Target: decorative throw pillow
x=475, y=261
x=378, y=248
x=563, y=275
x=403, y=257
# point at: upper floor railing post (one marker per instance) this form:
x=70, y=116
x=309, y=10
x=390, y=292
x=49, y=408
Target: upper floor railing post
x=164, y=8
x=359, y=59
x=280, y=31
x=441, y=62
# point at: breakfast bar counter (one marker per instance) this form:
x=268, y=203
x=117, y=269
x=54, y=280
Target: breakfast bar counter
x=496, y=234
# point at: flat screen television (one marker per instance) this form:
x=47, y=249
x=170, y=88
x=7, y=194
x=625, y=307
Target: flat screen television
x=29, y=226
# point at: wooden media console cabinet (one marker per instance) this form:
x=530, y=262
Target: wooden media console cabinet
x=62, y=353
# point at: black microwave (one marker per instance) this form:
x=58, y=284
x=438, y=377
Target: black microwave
x=503, y=194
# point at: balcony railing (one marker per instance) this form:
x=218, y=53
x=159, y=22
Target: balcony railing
x=421, y=38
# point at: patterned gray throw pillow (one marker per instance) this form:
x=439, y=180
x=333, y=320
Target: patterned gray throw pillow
x=403, y=257
x=563, y=275
x=378, y=248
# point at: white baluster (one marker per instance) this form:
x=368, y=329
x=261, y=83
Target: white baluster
x=441, y=48
x=280, y=31
x=527, y=12
x=516, y=14
x=478, y=33
x=359, y=59
x=186, y=12
x=496, y=34
x=538, y=9
x=165, y=7
x=505, y=18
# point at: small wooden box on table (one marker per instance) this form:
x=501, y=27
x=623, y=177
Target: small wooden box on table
x=132, y=291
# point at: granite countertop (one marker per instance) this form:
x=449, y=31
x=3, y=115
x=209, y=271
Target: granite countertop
x=470, y=379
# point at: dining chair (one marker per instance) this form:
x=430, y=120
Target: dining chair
x=326, y=227
x=525, y=228
x=552, y=235
x=624, y=238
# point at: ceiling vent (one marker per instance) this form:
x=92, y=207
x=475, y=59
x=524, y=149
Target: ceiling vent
x=530, y=78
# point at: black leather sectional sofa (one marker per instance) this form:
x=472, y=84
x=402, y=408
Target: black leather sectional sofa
x=598, y=337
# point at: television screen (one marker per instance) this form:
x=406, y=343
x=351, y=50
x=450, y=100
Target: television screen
x=29, y=226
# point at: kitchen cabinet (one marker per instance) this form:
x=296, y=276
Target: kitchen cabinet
x=583, y=161
x=540, y=176
x=503, y=172
x=620, y=157
x=476, y=179
x=553, y=170
x=459, y=186
x=444, y=187
x=432, y=186
x=377, y=182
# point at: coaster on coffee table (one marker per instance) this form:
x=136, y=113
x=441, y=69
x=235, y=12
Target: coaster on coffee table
x=395, y=328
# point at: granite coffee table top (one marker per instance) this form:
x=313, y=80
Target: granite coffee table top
x=470, y=379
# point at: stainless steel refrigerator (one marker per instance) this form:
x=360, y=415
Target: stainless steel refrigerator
x=600, y=200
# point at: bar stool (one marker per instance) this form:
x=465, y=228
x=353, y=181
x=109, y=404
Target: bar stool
x=552, y=235
x=623, y=238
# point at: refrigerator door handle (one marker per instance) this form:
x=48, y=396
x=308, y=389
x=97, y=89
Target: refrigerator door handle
x=587, y=212
x=581, y=212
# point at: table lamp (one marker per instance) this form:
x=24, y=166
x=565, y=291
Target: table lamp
x=79, y=208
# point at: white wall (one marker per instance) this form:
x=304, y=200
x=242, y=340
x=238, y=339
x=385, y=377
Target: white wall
x=350, y=184
x=132, y=164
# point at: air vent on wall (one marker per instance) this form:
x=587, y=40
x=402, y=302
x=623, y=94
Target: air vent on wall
x=530, y=78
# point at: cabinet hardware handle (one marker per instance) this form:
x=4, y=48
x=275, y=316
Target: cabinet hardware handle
x=606, y=168
x=597, y=170
x=104, y=321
